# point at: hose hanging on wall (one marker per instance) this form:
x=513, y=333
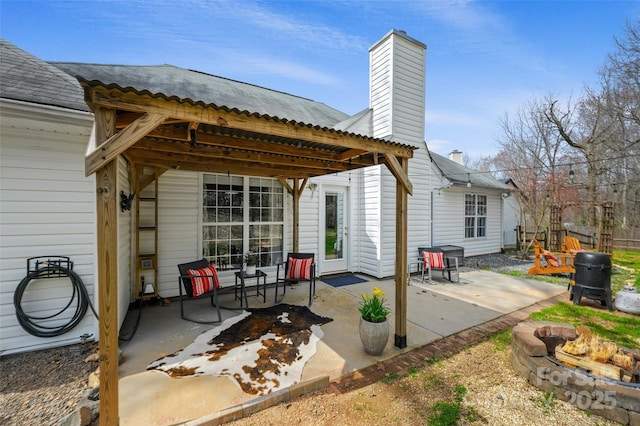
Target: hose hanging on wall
x=52, y=268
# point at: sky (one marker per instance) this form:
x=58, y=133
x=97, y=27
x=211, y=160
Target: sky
x=484, y=58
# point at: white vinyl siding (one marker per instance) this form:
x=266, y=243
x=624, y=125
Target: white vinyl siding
x=388, y=224
x=125, y=244
x=419, y=204
x=179, y=239
x=418, y=213
x=510, y=220
x=381, y=88
x=372, y=216
x=408, y=93
x=398, y=101
x=309, y=229
x=448, y=221
x=47, y=208
x=371, y=233
x=398, y=89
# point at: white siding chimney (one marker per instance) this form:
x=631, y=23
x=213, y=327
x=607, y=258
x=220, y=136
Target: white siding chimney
x=397, y=103
x=456, y=156
x=397, y=88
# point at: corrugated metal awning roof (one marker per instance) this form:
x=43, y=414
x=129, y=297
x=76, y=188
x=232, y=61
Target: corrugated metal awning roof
x=195, y=135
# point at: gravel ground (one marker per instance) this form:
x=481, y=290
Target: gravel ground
x=42, y=387
x=498, y=262
x=491, y=393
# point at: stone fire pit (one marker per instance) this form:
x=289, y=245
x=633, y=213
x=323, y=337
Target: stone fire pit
x=532, y=357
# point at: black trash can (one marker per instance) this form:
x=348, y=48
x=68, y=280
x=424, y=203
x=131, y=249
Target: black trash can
x=592, y=278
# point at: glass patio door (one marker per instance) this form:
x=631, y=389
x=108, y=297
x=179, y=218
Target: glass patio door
x=334, y=219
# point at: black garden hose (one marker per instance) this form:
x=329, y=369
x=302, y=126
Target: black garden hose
x=79, y=296
x=135, y=327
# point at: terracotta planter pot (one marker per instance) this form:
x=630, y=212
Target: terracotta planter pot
x=374, y=336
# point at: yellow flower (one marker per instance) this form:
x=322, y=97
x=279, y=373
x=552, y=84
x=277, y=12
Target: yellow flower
x=372, y=307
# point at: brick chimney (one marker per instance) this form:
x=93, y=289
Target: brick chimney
x=397, y=88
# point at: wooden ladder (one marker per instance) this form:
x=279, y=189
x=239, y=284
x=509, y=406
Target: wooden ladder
x=146, y=230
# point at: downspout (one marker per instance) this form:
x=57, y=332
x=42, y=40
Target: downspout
x=431, y=221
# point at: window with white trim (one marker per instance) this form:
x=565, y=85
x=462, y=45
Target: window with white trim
x=475, y=216
x=240, y=215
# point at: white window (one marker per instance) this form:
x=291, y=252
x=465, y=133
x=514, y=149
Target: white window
x=475, y=216
x=240, y=215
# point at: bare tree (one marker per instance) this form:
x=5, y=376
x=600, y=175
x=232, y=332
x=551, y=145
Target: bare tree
x=620, y=88
x=584, y=152
x=530, y=150
x=586, y=127
x=621, y=74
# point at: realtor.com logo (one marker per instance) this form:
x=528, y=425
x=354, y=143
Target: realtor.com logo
x=583, y=399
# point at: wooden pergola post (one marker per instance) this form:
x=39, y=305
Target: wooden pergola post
x=296, y=193
x=107, y=238
x=401, y=257
x=296, y=215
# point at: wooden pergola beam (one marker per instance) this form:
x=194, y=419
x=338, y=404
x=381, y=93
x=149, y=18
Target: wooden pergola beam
x=295, y=191
x=398, y=171
x=118, y=143
x=220, y=152
x=350, y=154
x=220, y=166
x=264, y=146
x=111, y=98
x=298, y=188
x=148, y=180
x=285, y=184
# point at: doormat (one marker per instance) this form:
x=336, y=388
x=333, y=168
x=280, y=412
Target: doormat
x=344, y=280
x=262, y=350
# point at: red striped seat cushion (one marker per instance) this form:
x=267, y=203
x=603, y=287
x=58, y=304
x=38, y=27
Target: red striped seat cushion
x=202, y=279
x=433, y=260
x=551, y=258
x=299, y=269
x=573, y=252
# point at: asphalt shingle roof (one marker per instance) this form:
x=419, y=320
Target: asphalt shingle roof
x=23, y=77
x=457, y=173
x=184, y=84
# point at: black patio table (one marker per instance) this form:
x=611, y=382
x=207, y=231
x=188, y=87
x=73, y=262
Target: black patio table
x=242, y=276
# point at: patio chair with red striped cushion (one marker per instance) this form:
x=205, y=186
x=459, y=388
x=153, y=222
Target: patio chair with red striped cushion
x=298, y=267
x=199, y=279
x=432, y=258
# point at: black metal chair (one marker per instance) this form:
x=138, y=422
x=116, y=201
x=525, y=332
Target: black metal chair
x=298, y=267
x=448, y=263
x=185, y=281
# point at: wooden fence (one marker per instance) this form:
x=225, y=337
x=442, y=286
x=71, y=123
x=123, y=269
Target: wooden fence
x=623, y=239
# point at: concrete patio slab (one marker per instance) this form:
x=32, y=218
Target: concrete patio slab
x=435, y=310
x=502, y=293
